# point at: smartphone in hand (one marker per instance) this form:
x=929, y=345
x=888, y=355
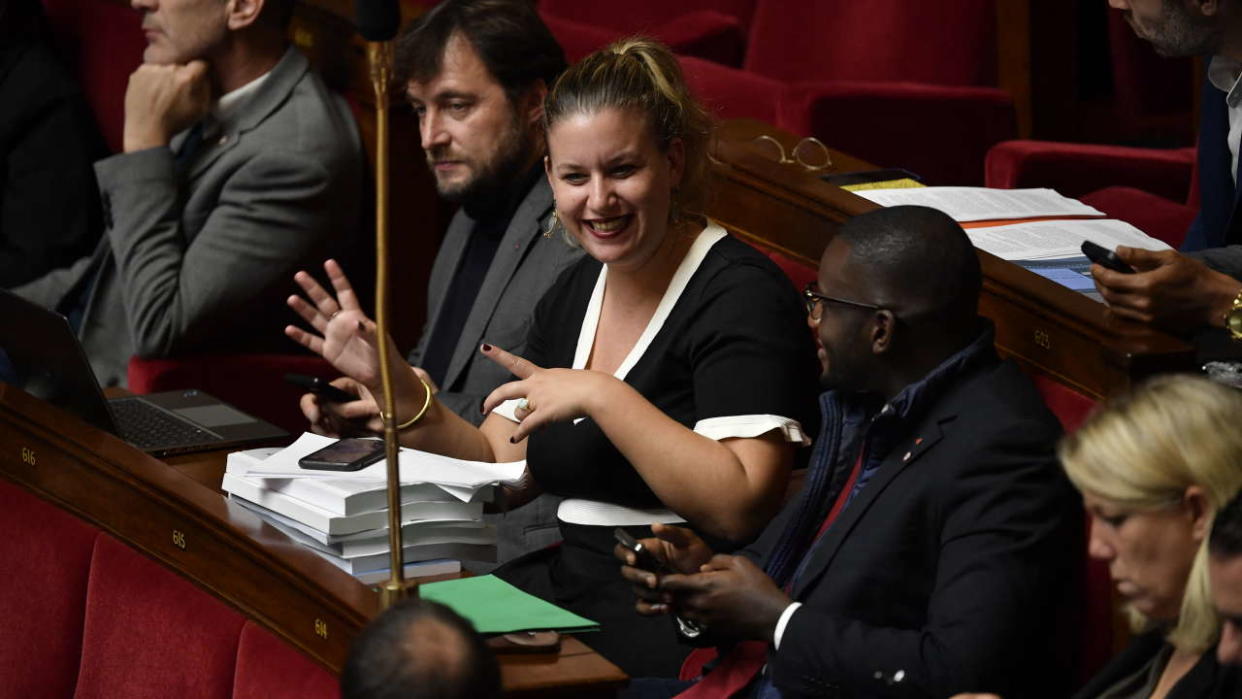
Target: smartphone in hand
x=349, y=454
x=321, y=388
x=642, y=557
x=1105, y=258
x=646, y=560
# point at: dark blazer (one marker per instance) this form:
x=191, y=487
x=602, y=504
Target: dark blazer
x=525, y=265
x=1206, y=680
x=1216, y=224
x=944, y=573
x=1216, y=233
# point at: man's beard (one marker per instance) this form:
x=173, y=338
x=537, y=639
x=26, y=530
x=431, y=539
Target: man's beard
x=1178, y=33
x=491, y=181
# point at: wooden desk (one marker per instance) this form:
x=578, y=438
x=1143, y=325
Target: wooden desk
x=1043, y=325
x=179, y=517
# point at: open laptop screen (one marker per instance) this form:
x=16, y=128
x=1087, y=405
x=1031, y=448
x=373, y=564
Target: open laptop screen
x=40, y=355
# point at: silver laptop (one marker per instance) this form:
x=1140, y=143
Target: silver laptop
x=40, y=354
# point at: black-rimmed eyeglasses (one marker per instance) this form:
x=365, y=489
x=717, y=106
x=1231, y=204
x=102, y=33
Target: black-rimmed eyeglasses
x=815, y=300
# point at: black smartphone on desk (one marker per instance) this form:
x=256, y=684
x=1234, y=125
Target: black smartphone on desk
x=349, y=454
x=1105, y=258
x=321, y=388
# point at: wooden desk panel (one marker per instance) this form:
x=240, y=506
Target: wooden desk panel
x=178, y=516
x=1043, y=325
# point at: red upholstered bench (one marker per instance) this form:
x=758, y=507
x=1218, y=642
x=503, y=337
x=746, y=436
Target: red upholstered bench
x=102, y=42
x=1093, y=637
x=87, y=616
x=714, y=30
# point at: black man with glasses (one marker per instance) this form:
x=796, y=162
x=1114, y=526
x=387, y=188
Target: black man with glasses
x=935, y=537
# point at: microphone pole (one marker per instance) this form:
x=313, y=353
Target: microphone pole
x=377, y=23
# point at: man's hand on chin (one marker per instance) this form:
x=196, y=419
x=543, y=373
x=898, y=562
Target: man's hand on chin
x=1167, y=289
x=162, y=100
x=729, y=596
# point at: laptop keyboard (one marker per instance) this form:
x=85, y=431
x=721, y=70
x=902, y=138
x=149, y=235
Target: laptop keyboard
x=147, y=427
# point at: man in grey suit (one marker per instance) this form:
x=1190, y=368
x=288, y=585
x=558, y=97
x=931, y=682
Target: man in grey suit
x=238, y=168
x=476, y=73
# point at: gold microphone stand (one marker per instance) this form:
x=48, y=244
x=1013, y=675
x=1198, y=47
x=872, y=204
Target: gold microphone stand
x=379, y=56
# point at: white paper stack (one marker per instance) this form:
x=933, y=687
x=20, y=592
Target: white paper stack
x=983, y=204
x=343, y=517
x=1054, y=240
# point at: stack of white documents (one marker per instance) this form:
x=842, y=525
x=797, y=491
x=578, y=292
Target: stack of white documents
x=1055, y=240
x=343, y=516
x=965, y=204
x=1050, y=245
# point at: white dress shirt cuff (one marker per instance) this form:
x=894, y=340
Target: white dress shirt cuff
x=782, y=623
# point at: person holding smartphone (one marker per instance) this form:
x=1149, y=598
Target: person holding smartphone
x=934, y=533
x=667, y=375
x=1202, y=285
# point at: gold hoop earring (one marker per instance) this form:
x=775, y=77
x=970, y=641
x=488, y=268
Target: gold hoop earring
x=554, y=222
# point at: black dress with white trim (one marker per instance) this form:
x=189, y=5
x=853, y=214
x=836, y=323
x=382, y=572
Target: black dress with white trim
x=727, y=354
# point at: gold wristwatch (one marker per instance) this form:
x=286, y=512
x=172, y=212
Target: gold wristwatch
x=1233, y=318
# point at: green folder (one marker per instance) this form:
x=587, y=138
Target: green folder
x=495, y=606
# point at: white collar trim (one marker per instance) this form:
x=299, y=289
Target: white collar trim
x=229, y=104
x=590, y=322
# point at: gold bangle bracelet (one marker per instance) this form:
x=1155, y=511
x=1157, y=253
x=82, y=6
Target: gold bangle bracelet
x=422, y=411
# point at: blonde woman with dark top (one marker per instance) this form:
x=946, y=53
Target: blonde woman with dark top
x=669, y=376
x=1153, y=467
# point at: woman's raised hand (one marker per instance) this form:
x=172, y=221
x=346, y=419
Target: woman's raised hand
x=552, y=395
x=345, y=335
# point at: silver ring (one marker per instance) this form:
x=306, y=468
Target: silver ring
x=523, y=404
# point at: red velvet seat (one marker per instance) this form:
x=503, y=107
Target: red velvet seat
x=151, y=633
x=942, y=133
x=267, y=667
x=1158, y=217
x=1153, y=189
x=578, y=38
x=103, y=43
x=87, y=616
x=884, y=80
x=1093, y=627
x=799, y=274
x=1070, y=406
x=1075, y=169
x=47, y=559
x=252, y=382
x=729, y=93
x=714, y=30
x=940, y=42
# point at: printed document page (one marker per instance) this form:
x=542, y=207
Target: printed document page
x=983, y=204
x=1042, y=240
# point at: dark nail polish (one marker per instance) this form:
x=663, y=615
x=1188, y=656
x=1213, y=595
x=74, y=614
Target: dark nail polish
x=513, y=440
x=486, y=347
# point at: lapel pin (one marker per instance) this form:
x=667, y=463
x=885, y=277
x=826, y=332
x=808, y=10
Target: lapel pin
x=906, y=457
x=918, y=441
